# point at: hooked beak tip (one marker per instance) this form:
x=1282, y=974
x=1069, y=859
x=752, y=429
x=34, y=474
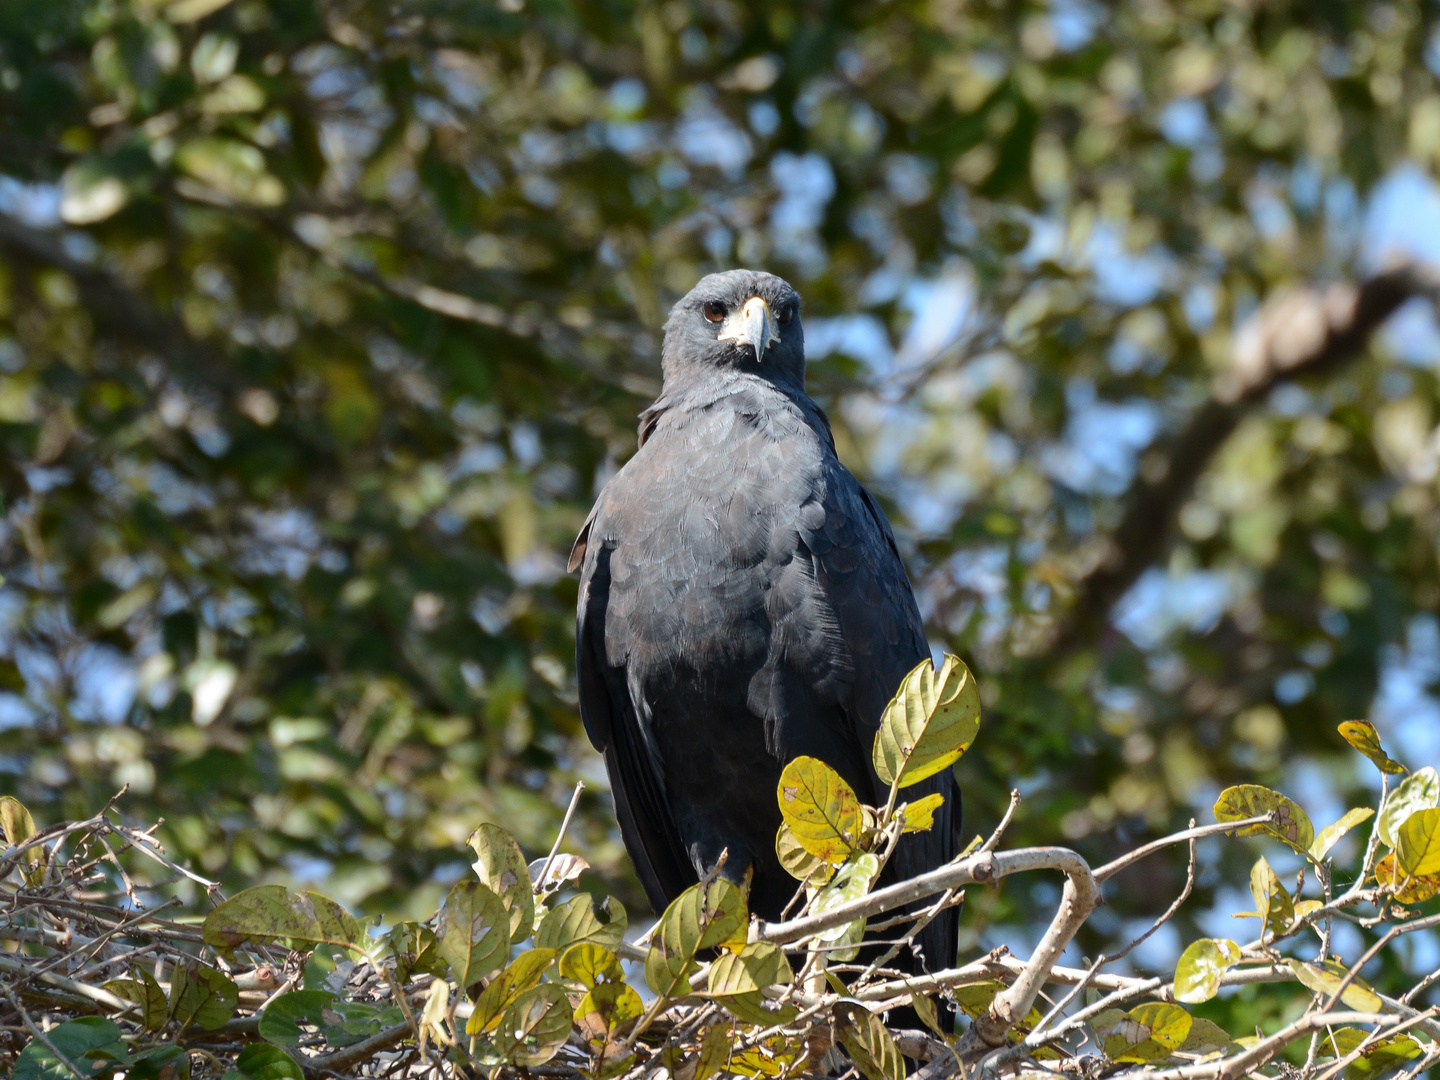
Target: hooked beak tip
x=754, y=325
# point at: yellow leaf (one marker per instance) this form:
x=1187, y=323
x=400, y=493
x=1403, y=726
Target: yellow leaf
x=931, y=721
x=820, y=808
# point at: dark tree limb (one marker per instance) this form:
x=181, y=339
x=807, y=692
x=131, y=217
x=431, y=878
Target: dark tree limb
x=1304, y=332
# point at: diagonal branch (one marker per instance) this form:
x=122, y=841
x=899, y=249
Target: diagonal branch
x=1310, y=331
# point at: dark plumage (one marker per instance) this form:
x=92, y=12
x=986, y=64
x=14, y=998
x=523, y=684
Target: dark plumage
x=741, y=603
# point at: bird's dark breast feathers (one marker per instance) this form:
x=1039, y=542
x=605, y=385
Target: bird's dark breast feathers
x=746, y=605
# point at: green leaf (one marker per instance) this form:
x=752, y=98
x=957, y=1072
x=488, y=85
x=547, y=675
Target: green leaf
x=578, y=920
x=270, y=913
x=201, y=996
x=751, y=969
x=533, y=1028
x=798, y=862
x=714, y=1051
x=505, y=989
x=925, y=1009
x=144, y=991
x=345, y=1023
x=769, y=1057
x=868, y=1042
x=167, y=1062
x=1418, y=844
x=1383, y=1056
x=701, y=917
x=1408, y=890
x=851, y=881
x=234, y=169
x=920, y=815
x=932, y=720
x=605, y=1008
x=590, y=965
x=1418, y=791
x=820, y=808
x=502, y=869
x=1272, y=903
x=1252, y=800
x=1324, y=979
x=755, y=1008
x=1149, y=1033
x=90, y=192
x=1330, y=835
x=1197, y=975
x=263, y=1062
x=281, y=1020
x=1206, y=1037
x=1361, y=734
x=18, y=826
x=414, y=949
x=78, y=1040
x=472, y=932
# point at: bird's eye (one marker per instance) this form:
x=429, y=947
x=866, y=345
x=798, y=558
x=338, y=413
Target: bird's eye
x=714, y=311
x=786, y=314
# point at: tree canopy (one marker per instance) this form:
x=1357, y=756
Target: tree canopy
x=320, y=323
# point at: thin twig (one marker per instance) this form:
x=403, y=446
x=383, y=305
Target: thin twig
x=559, y=836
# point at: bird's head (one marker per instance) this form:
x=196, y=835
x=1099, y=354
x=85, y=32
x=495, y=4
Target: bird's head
x=738, y=319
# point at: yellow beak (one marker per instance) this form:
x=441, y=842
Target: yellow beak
x=754, y=325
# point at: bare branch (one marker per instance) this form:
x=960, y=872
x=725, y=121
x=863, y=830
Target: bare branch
x=1305, y=332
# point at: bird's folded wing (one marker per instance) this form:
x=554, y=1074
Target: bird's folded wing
x=636, y=778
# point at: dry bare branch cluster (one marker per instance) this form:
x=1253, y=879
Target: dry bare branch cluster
x=514, y=976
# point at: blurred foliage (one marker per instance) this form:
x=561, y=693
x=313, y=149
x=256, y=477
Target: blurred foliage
x=320, y=324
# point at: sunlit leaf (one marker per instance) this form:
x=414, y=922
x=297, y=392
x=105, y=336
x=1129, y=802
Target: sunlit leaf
x=1383, y=1056
x=799, y=863
x=1326, y=978
x=1272, y=902
x=533, y=1028
x=1329, y=836
x=563, y=868
x=701, y=917
x=579, y=920
x=1418, y=844
x=472, y=932
x=502, y=869
x=769, y=1057
x=270, y=913
x=1197, y=975
x=505, y=989
x=18, y=826
x=1418, y=791
x=605, y=1008
x=1251, y=800
x=820, y=809
x=590, y=964
x=932, y=720
x=90, y=192
x=868, y=1043
x=920, y=815
x=1361, y=734
x=851, y=882
x=1408, y=890
x=235, y=169
x=1150, y=1032
x=748, y=970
